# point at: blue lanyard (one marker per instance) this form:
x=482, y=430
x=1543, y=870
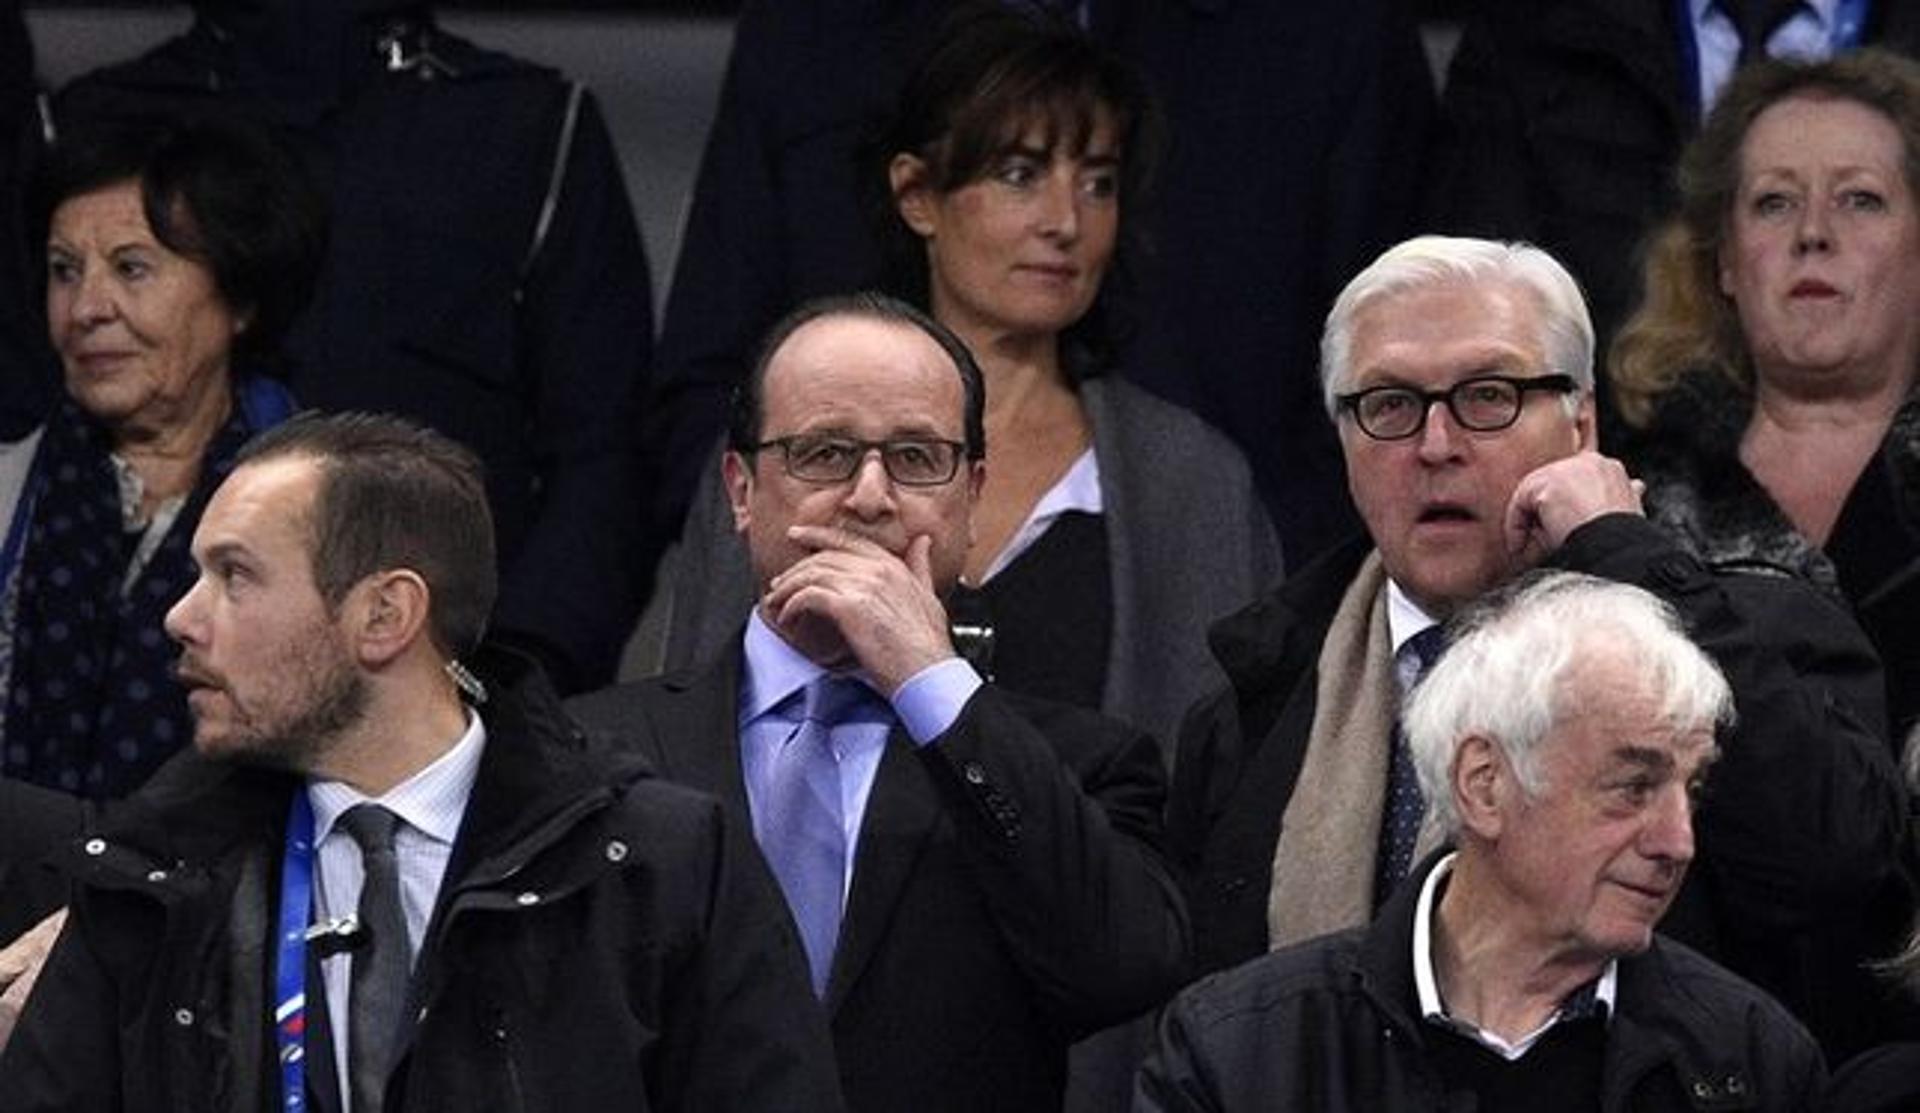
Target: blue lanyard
x=290, y=967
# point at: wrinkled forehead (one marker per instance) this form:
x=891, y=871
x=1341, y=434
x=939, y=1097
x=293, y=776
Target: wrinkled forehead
x=1439, y=332
x=1618, y=706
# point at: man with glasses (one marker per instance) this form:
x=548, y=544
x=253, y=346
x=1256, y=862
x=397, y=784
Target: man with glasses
x=1459, y=375
x=976, y=876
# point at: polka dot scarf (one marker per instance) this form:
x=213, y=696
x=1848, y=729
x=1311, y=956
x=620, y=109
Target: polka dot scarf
x=92, y=707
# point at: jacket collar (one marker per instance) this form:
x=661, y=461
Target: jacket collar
x=1386, y=953
x=536, y=775
x=1252, y=643
x=1656, y=1020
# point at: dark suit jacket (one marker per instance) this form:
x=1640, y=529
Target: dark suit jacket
x=1008, y=890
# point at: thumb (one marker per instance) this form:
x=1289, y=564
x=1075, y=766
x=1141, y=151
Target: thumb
x=1522, y=525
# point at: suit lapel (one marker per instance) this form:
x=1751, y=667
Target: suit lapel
x=697, y=735
x=1637, y=37
x=696, y=738
x=901, y=813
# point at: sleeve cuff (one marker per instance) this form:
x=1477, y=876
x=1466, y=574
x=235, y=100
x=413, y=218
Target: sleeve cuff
x=932, y=699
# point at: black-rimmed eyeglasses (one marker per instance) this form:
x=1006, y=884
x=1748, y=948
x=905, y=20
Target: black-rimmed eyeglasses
x=1484, y=404
x=909, y=461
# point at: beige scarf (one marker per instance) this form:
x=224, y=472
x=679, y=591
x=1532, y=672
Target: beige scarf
x=1323, y=864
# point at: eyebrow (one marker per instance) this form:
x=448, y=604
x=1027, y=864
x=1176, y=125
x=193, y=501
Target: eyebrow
x=221, y=550
x=1646, y=757
x=1510, y=364
x=917, y=432
x=1660, y=760
x=1047, y=154
x=1847, y=170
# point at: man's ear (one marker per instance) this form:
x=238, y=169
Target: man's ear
x=907, y=177
x=1479, y=772
x=736, y=471
x=387, y=613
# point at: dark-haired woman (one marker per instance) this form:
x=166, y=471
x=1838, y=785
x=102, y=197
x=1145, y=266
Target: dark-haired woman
x=1113, y=527
x=176, y=255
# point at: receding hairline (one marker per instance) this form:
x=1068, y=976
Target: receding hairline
x=782, y=355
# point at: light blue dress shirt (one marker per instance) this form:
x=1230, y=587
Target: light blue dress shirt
x=927, y=705
x=1809, y=34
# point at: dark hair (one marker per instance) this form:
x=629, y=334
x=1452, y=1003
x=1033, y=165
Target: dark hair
x=993, y=72
x=1684, y=322
x=393, y=494
x=221, y=192
x=747, y=412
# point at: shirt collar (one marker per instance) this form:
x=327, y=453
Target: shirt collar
x=1822, y=10
x=1078, y=490
x=1594, y=999
x=775, y=670
x=432, y=801
x=1404, y=617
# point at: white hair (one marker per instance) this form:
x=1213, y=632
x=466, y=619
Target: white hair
x=1514, y=667
x=1425, y=262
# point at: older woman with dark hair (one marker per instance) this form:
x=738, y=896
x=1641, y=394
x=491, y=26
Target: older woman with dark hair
x=1773, y=363
x=1113, y=527
x=176, y=256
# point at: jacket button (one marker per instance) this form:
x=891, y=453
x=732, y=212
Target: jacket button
x=95, y=847
x=526, y=900
x=974, y=773
x=183, y=1017
x=1735, y=1084
x=157, y=876
x=616, y=851
x=1702, y=1089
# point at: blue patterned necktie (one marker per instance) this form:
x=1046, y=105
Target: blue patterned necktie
x=1404, y=807
x=803, y=830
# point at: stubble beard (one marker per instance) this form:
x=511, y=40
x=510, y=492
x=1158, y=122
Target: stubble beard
x=334, y=701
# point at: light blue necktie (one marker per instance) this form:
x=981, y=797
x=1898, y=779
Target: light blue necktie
x=803, y=829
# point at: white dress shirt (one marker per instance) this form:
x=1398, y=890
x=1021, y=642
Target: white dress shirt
x=430, y=805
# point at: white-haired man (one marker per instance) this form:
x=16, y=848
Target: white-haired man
x=1561, y=740
x=1460, y=375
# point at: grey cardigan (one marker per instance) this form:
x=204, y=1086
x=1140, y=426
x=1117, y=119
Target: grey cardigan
x=1188, y=540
